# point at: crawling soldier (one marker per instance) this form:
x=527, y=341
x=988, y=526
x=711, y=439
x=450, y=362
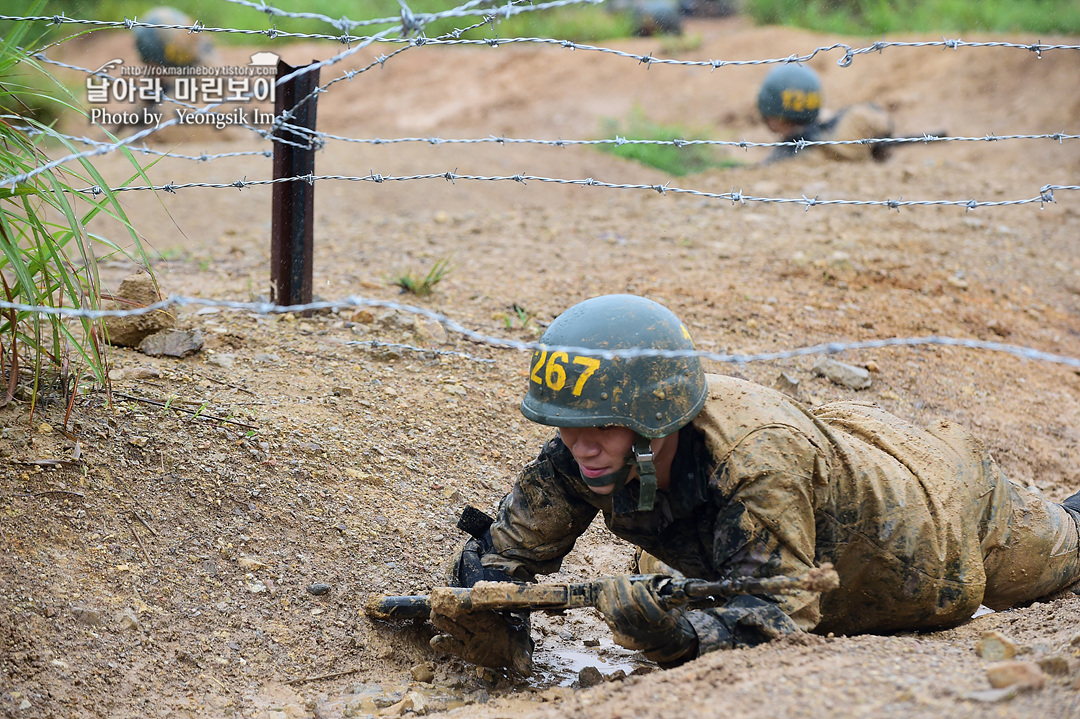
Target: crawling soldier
x=719, y=477
x=790, y=102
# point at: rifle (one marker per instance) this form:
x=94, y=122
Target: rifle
x=881, y=151
x=513, y=596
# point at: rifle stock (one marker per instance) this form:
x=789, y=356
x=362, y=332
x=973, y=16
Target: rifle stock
x=511, y=596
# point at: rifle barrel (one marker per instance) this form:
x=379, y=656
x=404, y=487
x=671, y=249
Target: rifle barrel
x=818, y=579
x=417, y=606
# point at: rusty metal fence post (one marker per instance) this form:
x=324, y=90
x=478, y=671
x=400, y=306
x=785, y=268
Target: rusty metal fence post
x=292, y=220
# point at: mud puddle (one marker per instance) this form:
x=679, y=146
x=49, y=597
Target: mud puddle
x=563, y=660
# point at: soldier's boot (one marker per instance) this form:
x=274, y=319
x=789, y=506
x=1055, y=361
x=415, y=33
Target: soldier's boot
x=1072, y=506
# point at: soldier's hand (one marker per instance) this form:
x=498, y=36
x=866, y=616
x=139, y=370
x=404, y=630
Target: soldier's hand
x=638, y=621
x=489, y=639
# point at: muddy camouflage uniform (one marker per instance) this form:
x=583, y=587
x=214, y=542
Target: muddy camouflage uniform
x=920, y=524
x=855, y=122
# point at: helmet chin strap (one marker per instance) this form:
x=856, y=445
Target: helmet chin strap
x=640, y=458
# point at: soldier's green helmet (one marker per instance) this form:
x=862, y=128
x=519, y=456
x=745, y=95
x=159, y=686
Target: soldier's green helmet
x=791, y=92
x=652, y=395
x=172, y=47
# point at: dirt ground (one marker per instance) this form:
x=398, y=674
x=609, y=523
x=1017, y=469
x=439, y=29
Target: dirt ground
x=170, y=565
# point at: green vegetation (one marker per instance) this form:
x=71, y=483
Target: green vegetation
x=588, y=23
x=877, y=17
x=421, y=286
x=48, y=254
x=671, y=158
x=518, y=316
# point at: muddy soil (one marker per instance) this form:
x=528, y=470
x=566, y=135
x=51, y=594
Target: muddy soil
x=207, y=548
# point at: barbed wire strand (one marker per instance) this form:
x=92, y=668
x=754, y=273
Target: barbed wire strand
x=850, y=52
x=619, y=141
x=205, y=157
x=484, y=7
x=1046, y=193
x=451, y=325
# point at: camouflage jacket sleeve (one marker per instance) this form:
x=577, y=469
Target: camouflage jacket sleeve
x=541, y=518
x=766, y=529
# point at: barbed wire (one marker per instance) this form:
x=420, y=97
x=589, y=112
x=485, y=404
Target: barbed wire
x=451, y=325
x=619, y=141
x=407, y=22
x=850, y=52
x=1046, y=193
x=205, y=157
x=281, y=121
x=484, y=7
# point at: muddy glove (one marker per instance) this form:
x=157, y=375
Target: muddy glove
x=639, y=622
x=489, y=639
x=743, y=621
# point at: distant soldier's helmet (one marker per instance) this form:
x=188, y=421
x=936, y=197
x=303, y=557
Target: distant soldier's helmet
x=652, y=395
x=171, y=47
x=791, y=92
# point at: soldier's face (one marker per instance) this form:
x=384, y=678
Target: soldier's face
x=599, y=451
x=602, y=450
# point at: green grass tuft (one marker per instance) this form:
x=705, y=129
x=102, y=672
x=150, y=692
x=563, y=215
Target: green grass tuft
x=48, y=251
x=672, y=159
x=410, y=281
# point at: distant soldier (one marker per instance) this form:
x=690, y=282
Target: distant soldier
x=790, y=102
x=654, y=17
x=172, y=47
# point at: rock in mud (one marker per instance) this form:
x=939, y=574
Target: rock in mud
x=590, y=677
x=225, y=360
x=136, y=291
x=128, y=620
x=1055, y=665
x=87, y=616
x=172, y=343
x=995, y=646
x=1022, y=675
x=842, y=374
x=787, y=384
x=423, y=673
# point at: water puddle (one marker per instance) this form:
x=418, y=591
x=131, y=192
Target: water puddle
x=560, y=663
x=573, y=650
